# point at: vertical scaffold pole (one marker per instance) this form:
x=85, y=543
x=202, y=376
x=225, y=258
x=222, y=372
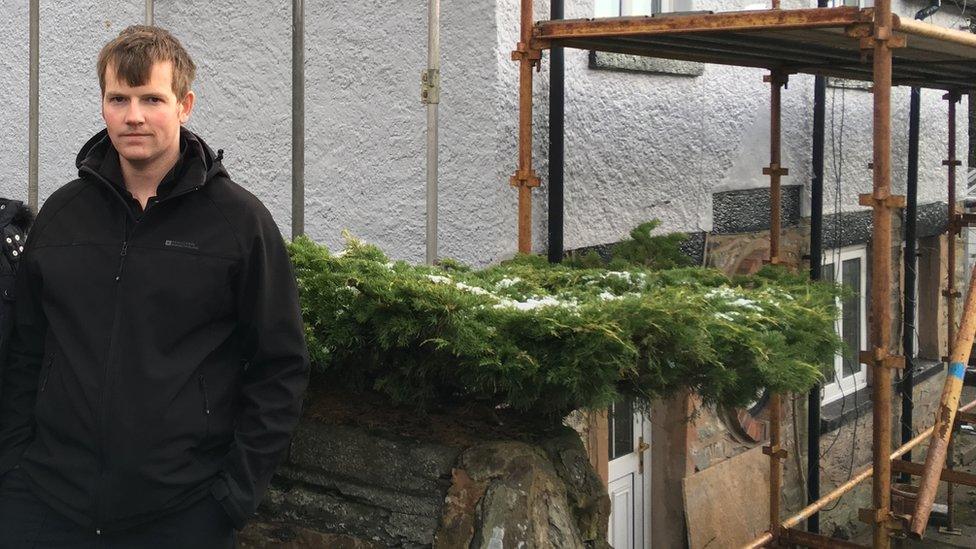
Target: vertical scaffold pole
x=951, y=293
x=525, y=178
x=775, y=171
x=880, y=357
x=941, y=442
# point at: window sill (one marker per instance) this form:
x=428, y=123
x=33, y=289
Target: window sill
x=601, y=60
x=843, y=411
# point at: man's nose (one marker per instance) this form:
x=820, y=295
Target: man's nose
x=133, y=114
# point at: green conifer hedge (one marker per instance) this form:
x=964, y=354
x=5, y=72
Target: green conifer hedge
x=552, y=338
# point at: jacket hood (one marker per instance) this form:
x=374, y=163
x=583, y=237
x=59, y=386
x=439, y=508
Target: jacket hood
x=200, y=164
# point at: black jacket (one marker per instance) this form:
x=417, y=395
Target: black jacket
x=158, y=357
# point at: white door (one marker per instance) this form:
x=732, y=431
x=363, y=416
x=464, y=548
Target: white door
x=629, y=477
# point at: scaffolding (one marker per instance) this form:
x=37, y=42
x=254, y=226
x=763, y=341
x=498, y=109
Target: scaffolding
x=862, y=44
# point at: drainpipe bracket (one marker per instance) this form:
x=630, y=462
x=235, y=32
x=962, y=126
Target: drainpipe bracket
x=430, y=87
x=880, y=357
x=889, y=201
x=953, y=96
x=955, y=294
x=952, y=162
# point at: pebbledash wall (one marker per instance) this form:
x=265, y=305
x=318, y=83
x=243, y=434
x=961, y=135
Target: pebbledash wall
x=639, y=145
x=645, y=139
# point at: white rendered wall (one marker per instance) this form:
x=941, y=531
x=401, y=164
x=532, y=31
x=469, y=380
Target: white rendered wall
x=638, y=146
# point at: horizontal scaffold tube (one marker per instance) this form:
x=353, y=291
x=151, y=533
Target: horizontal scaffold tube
x=866, y=473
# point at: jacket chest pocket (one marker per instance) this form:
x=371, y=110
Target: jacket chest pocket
x=44, y=384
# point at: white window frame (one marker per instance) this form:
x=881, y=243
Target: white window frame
x=845, y=386
x=625, y=8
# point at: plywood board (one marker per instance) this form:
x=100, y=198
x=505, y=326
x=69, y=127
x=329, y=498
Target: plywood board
x=727, y=505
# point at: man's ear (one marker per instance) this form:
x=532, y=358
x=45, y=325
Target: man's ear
x=186, y=106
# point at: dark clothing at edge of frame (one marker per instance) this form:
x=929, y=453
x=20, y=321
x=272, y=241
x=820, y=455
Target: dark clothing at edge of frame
x=27, y=522
x=158, y=356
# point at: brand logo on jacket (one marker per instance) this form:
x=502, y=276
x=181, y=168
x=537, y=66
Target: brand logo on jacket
x=182, y=244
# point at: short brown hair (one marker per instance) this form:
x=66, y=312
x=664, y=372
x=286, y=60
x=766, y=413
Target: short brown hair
x=137, y=48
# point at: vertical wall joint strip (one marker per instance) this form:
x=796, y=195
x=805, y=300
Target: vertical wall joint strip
x=33, y=118
x=433, y=72
x=298, y=119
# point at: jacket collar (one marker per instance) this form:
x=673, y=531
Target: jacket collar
x=196, y=166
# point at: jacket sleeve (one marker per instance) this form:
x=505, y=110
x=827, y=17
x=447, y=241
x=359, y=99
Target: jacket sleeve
x=275, y=375
x=22, y=366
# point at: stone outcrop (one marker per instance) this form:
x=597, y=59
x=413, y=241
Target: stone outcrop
x=362, y=476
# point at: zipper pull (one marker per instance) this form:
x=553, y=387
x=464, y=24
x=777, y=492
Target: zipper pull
x=125, y=246
x=203, y=389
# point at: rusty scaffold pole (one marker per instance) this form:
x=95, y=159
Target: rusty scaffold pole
x=775, y=451
x=940, y=447
x=525, y=178
x=883, y=202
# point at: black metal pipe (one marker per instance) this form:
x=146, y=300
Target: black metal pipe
x=907, y=385
x=557, y=81
x=911, y=260
x=816, y=273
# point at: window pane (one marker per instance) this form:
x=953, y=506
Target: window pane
x=621, y=428
x=851, y=315
x=828, y=272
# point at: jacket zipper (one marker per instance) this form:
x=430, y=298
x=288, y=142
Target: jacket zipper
x=102, y=415
x=47, y=374
x=206, y=401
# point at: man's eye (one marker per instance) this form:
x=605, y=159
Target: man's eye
x=116, y=99
x=155, y=100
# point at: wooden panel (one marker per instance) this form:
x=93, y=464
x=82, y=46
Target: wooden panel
x=727, y=505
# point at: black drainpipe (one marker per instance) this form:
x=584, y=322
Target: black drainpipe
x=557, y=82
x=911, y=259
x=816, y=273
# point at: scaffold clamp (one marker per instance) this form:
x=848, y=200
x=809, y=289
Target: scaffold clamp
x=880, y=357
x=524, y=178
x=777, y=77
x=879, y=516
x=890, y=201
x=775, y=169
x=525, y=52
x=776, y=451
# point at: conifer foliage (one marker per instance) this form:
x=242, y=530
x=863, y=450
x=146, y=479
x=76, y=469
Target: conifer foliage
x=548, y=339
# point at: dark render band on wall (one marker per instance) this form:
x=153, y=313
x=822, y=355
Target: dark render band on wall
x=747, y=211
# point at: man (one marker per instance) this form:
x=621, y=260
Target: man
x=158, y=361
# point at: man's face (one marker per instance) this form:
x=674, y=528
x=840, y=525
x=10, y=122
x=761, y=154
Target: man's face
x=144, y=121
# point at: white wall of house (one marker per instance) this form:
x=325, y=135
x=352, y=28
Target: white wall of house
x=639, y=146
